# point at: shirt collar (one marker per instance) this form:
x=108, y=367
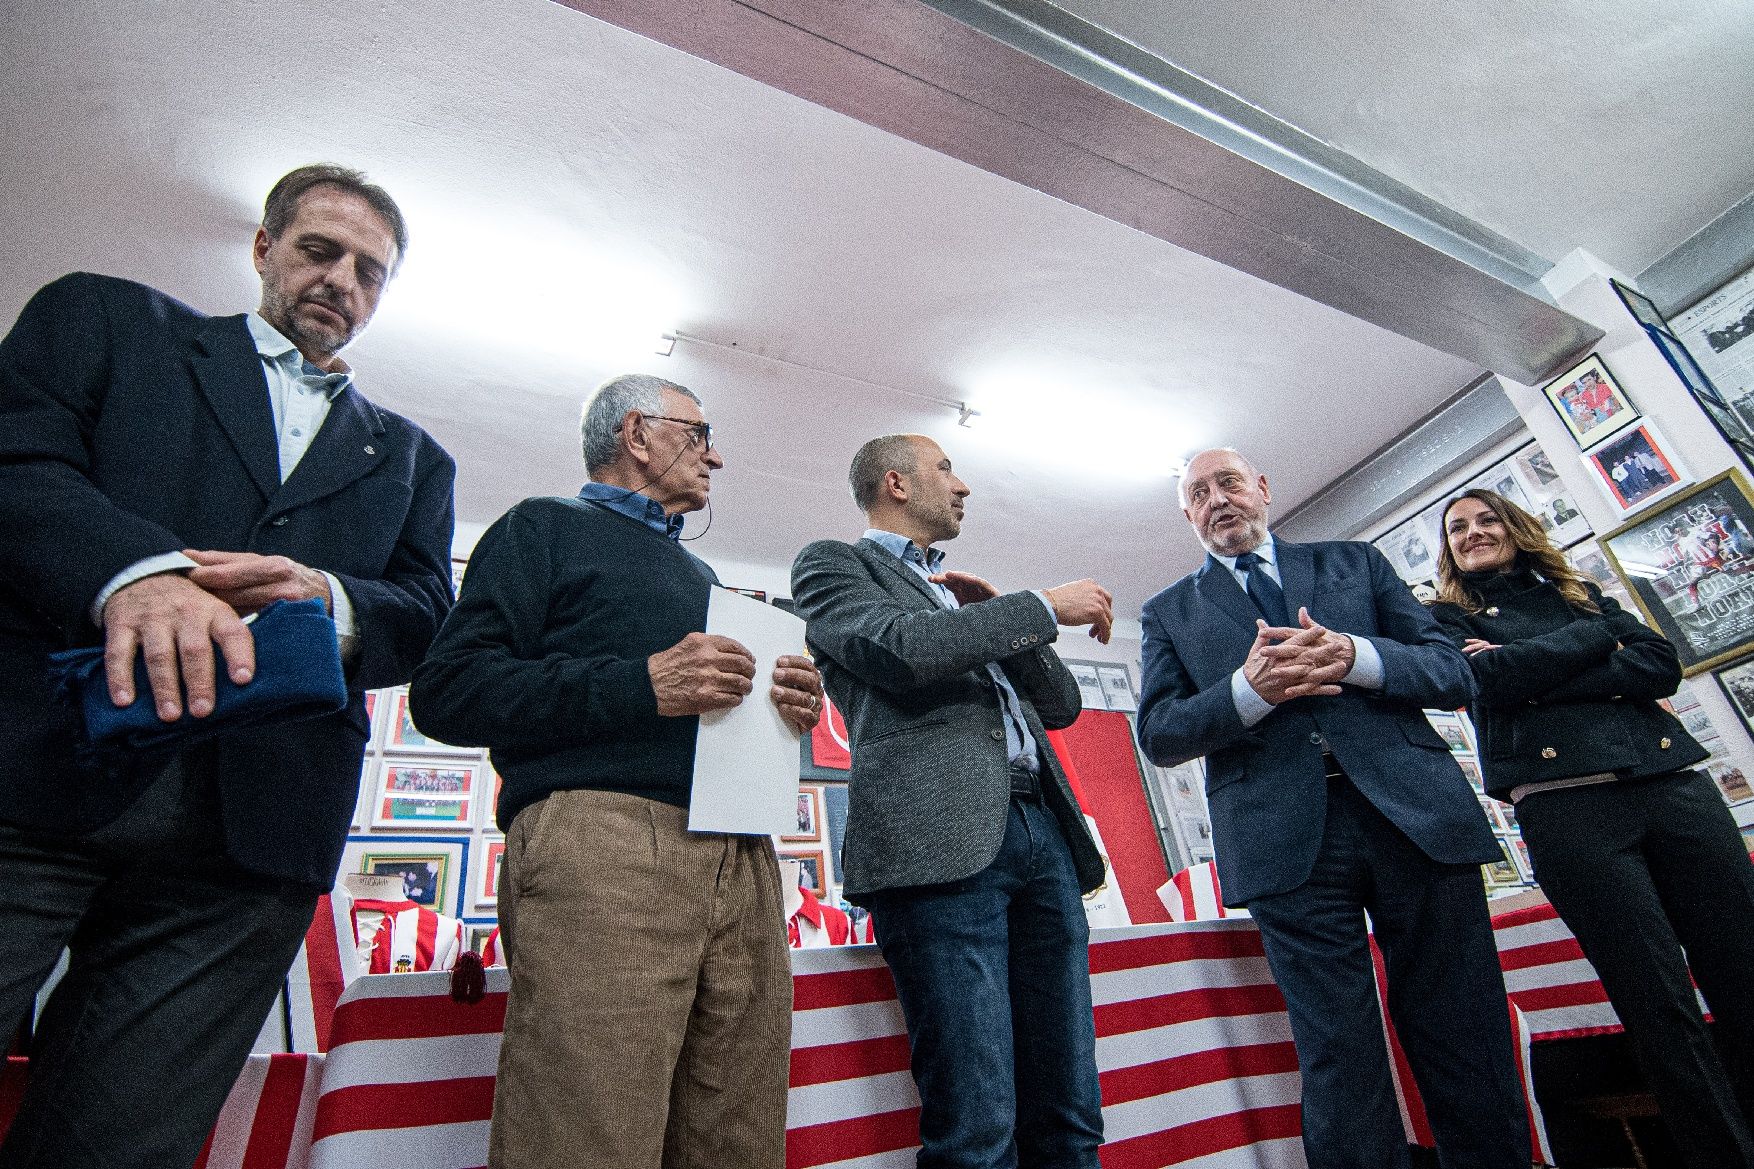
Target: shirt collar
x=272, y=344
x=1265, y=550
x=640, y=508
x=905, y=549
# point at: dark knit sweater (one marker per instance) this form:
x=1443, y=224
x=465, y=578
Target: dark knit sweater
x=1569, y=692
x=543, y=660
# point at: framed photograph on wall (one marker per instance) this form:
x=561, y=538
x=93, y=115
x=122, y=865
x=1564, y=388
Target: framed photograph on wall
x=1635, y=469
x=809, y=815
x=431, y=870
x=1689, y=564
x=813, y=871
x=1503, y=872
x=426, y=793
x=479, y=932
x=402, y=735
x=486, y=883
x=1590, y=402
x=1737, y=683
x=1588, y=558
x=1731, y=781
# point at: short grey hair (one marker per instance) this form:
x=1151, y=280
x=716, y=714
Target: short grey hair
x=600, y=427
x=1181, y=493
x=890, y=452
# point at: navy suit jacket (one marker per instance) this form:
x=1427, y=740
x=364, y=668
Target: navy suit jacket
x=1265, y=784
x=132, y=425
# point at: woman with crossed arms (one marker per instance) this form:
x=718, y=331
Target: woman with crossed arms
x=1634, y=848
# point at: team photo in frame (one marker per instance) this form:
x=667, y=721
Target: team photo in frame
x=1635, y=469
x=427, y=794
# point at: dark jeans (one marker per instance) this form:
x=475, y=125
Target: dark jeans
x=993, y=975
x=1445, y=994
x=177, y=955
x=1640, y=870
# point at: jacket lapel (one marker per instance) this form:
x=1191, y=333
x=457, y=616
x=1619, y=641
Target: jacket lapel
x=1296, y=577
x=875, y=553
x=1220, y=588
x=349, y=445
x=228, y=370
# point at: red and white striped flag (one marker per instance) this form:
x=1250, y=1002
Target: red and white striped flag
x=266, y=1121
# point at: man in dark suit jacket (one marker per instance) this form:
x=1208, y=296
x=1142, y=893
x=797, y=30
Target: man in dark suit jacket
x=163, y=473
x=1331, y=795
x=963, y=837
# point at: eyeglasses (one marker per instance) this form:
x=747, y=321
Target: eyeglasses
x=698, y=432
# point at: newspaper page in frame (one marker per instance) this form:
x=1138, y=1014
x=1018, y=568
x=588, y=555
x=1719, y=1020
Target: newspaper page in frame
x=746, y=758
x=1719, y=333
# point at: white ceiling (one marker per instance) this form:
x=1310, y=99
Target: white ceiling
x=575, y=189
x=1616, y=126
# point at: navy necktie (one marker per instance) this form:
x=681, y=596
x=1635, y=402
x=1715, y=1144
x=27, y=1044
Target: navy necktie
x=1264, y=591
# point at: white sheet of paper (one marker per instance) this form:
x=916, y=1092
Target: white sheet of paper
x=746, y=758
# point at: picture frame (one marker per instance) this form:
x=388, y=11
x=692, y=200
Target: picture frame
x=485, y=885
x=1731, y=781
x=1590, y=402
x=1489, y=807
x=1737, y=682
x=1643, y=309
x=491, y=785
x=1588, y=558
x=1117, y=686
x=428, y=794
x=432, y=869
x=1689, y=565
x=400, y=733
x=1636, y=470
x=477, y=933
x=1502, y=873
x=809, y=815
x=815, y=871
x=1519, y=851
x=373, y=704
x=1471, y=773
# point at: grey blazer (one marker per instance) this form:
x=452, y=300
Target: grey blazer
x=929, y=794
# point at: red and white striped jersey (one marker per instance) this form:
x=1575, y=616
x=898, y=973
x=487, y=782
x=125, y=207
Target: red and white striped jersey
x=409, y=937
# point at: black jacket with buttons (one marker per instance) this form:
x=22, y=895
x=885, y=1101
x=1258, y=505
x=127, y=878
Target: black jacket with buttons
x=1568, y=692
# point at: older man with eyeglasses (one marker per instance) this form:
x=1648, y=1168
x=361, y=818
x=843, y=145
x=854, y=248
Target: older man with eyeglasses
x=649, y=1021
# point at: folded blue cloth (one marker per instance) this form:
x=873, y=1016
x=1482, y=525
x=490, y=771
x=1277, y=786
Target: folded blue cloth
x=298, y=676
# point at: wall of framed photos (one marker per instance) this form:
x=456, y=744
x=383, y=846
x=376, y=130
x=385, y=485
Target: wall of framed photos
x=1642, y=487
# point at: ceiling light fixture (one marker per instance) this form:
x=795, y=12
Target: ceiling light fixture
x=666, y=345
x=965, y=417
x=1067, y=417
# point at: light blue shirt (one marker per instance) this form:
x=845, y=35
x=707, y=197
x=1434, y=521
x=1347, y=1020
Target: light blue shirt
x=1366, y=672
x=1020, y=746
x=299, y=394
x=642, y=509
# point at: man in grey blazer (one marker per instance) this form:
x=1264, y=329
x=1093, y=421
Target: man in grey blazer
x=963, y=837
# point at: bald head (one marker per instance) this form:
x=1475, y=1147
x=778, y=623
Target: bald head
x=889, y=452
x=1225, y=499
x=905, y=484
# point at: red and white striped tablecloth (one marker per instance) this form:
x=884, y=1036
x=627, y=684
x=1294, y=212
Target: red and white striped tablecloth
x=1193, y=1047
x=1547, y=976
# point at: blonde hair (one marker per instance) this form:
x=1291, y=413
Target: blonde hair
x=1529, y=539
